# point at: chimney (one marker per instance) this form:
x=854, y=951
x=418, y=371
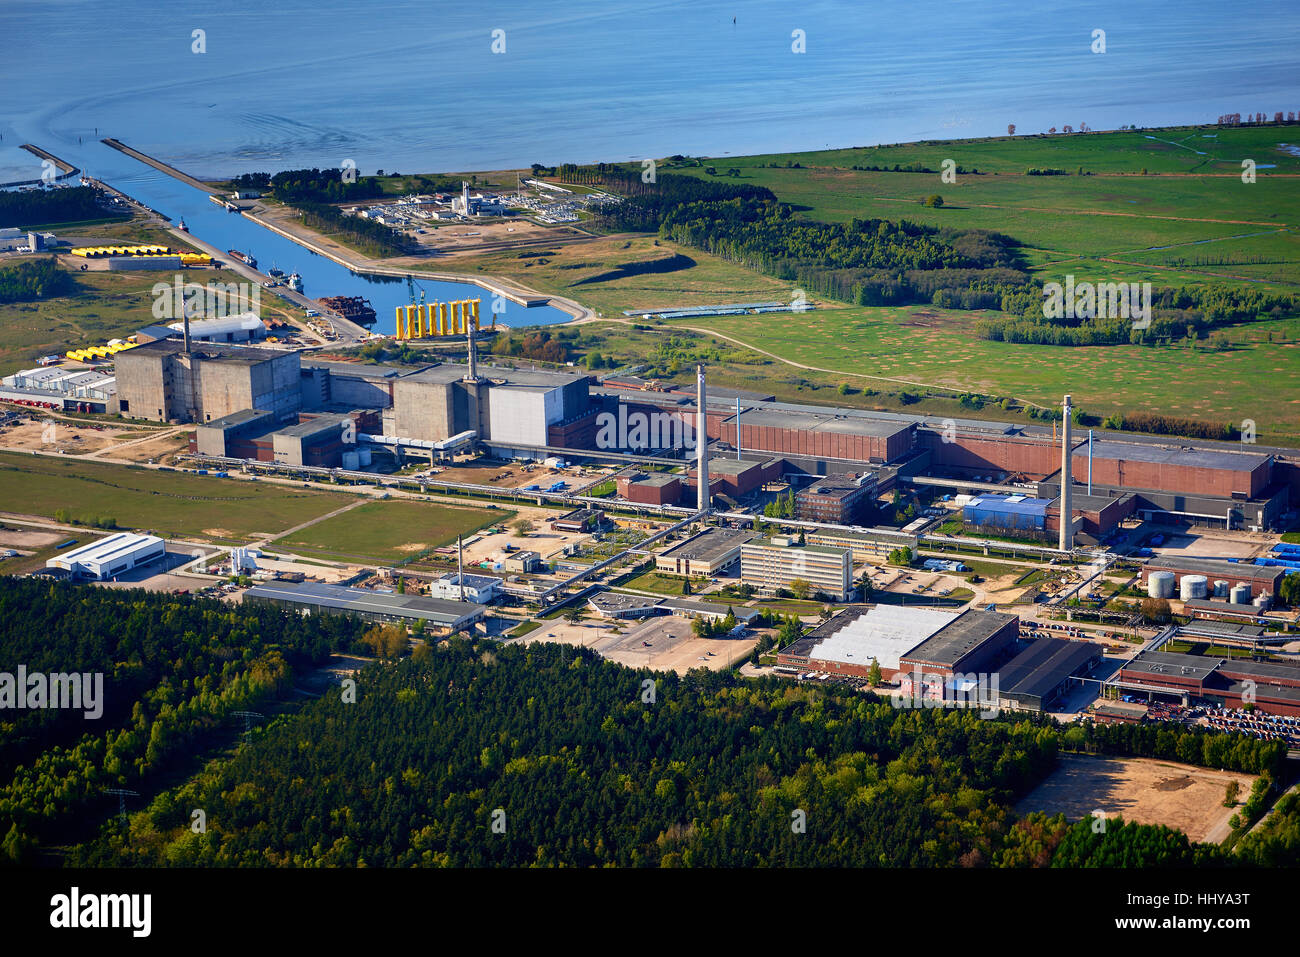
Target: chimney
x=702, y=440
x=472, y=375
x=737, y=428
x=460, y=567
x=1067, y=481
x=185, y=322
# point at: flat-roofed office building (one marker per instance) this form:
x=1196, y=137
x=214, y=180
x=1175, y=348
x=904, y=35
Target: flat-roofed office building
x=710, y=552
x=776, y=562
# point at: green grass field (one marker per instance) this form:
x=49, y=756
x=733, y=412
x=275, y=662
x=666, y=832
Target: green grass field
x=1191, y=197
x=654, y=582
x=936, y=347
x=562, y=270
x=389, y=531
x=1187, y=149
x=172, y=504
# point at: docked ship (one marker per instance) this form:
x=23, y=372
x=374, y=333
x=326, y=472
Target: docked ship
x=295, y=282
x=181, y=226
x=244, y=258
x=275, y=272
x=353, y=308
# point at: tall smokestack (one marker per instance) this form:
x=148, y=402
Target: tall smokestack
x=473, y=353
x=701, y=439
x=737, y=428
x=1067, y=481
x=460, y=567
x=185, y=323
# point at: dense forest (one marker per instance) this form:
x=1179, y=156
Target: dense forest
x=312, y=185
x=173, y=671
x=41, y=207
x=473, y=754
x=34, y=279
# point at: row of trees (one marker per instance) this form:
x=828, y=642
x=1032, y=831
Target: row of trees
x=1234, y=119
x=1161, y=424
x=323, y=186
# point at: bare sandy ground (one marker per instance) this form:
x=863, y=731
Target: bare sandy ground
x=1181, y=796
x=663, y=644
x=25, y=538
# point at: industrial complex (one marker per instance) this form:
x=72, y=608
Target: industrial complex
x=849, y=456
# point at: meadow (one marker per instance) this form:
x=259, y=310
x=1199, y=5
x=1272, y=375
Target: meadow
x=389, y=531
x=171, y=504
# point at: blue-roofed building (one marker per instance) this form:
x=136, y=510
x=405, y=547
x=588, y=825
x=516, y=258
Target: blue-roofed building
x=1008, y=511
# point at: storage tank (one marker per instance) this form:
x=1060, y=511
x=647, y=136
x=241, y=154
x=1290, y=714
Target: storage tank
x=1240, y=594
x=1221, y=588
x=364, y=457
x=1161, y=585
x=351, y=461
x=1262, y=601
x=1193, y=586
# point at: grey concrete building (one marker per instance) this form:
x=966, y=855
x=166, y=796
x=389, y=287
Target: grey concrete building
x=162, y=382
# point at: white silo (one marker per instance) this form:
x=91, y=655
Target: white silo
x=1221, y=588
x=1193, y=586
x=1240, y=594
x=1161, y=585
x=351, y=461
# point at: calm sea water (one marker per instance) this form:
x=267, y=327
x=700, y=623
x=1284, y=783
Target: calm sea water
x=414, y=85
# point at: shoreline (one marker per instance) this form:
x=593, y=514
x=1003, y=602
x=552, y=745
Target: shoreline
x=508, y=289
x=520, y=294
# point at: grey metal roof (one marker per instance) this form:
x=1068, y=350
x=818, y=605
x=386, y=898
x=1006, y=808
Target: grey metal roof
x=708, y=545
x=620, y=601
x=1165, y=664
x=236, y=419
x=314, y=425
x=1037, y=670
x=1214, y=568
x=694, y=606
x=363, y=370
x=209, y=350
x=1173, y=453
x=657, y=479
x=441, y=611
x=1221, y=629
x=1266, y=671
x=953, y=642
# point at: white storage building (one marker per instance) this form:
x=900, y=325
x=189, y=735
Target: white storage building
x=479, y=589
x=242, y=327
x=109, y=557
